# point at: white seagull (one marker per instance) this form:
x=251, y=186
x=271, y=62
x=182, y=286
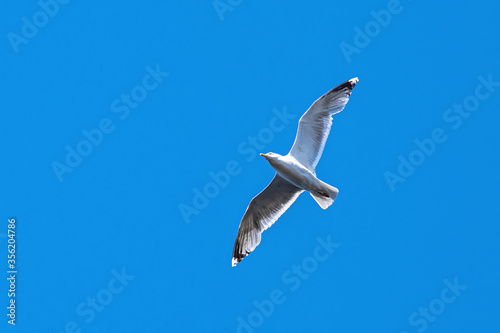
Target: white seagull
x=295, y=172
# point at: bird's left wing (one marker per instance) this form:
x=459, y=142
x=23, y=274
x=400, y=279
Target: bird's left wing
x=261, y=213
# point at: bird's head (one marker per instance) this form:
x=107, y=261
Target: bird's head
x=271, y=156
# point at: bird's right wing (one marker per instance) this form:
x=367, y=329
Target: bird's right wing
x=315, y=124
x=261, y=213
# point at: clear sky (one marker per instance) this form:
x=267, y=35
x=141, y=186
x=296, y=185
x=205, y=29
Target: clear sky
x=130, y=141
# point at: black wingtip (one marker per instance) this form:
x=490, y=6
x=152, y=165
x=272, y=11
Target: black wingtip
x=353, y=82
x=237, y=259
x=349, y=84
x=238, y=254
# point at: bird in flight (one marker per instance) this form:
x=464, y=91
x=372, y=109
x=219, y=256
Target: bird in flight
x=295, y=172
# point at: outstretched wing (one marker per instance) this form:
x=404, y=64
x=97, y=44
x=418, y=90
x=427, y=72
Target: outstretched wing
x=315, y=124
x=261, y=213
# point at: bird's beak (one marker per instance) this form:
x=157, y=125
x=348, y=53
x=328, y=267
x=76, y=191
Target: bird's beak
x=265, y=155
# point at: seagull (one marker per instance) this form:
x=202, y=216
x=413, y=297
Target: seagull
x=295, y=172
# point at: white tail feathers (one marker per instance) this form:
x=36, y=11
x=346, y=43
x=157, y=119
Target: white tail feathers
x=323, y=200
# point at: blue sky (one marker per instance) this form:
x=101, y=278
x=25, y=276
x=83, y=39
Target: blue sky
x=130, y=141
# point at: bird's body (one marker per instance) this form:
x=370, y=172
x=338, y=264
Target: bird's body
x=299, y=175
x=290, y=169
x=295, y=172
